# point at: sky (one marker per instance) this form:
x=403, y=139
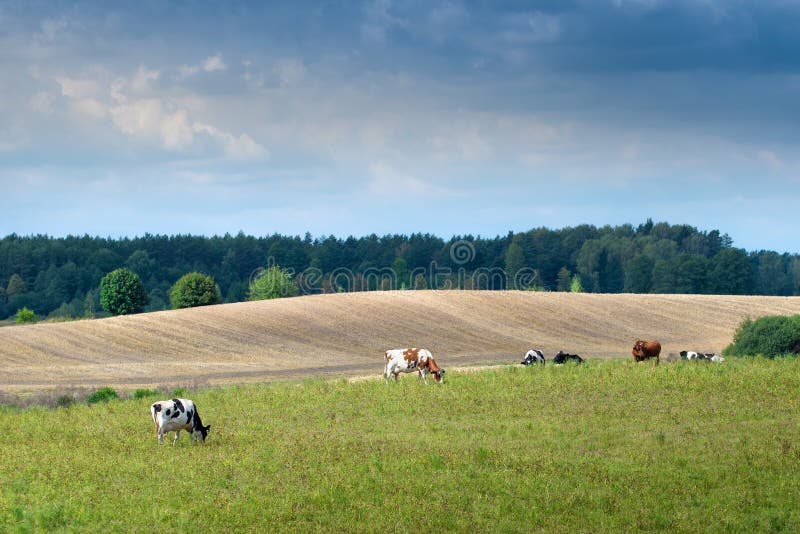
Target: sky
x=399, y=116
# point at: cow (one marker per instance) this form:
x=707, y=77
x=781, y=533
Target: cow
x=563, y=357
x=644, y=350
x=702, y=356
x=177, y=415
x=410, y=360
x=533, y=356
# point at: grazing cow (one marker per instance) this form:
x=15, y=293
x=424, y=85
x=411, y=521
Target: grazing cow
x=644, y=350
x=177, y=415
x=410, y=360
x=702, y=356
x=563, y=357
x=533, y=356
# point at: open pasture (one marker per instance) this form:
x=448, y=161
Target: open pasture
x=339, y=335
x=609, y=446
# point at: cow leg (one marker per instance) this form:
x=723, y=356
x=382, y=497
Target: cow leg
x=177, y=434
x=160, y=437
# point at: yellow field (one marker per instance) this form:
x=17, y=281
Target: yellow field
x=346, y=334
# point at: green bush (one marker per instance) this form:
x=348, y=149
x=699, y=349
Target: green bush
x=24, y=315
x=770, y=336
x=142, y=393
x=122, y=293
x=65, y=401
x=102, y=395
x=272, y=283
x=194, y=289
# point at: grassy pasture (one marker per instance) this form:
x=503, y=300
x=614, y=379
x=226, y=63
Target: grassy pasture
x=606, y=447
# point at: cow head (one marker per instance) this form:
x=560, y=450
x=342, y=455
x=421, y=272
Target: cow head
x=435, y=370
x=201, y=432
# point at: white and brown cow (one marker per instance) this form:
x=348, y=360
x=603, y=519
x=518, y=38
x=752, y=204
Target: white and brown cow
x=176, y=415
x=410, y=360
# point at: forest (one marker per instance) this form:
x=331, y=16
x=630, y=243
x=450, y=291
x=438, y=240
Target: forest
x=59, y=277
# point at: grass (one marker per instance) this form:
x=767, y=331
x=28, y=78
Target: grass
x=605, y=447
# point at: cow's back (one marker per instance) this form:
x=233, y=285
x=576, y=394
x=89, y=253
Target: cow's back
x=652, y=348
x=173, y=414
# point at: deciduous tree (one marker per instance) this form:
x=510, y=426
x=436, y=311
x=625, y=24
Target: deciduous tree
x=122, y=293
x=194, y=289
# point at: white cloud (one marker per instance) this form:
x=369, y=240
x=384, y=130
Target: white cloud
x=378, y=20
x=214, y=63
x=140, y=117
x=89, y=106
x=543, y=28
x=290, y=72
x=244, y=147
x=210, y=64
x=771, y=159
x=51, y=28
x=236, y=147
x=169, y=123
x=140, y=82
x=387, y=181
x=78, y=88
x=42, y=102
x=534, y=28
x=176, y=132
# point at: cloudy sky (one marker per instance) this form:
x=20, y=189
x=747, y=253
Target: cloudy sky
x=397, y=116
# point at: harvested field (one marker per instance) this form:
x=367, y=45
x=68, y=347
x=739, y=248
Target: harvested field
x=344, y=335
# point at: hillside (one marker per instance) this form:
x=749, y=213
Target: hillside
x=346, y=334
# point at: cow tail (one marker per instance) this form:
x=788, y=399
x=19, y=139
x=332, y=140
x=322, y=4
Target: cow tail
x=153, y=415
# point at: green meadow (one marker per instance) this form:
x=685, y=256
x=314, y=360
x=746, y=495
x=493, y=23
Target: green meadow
x=609, y=446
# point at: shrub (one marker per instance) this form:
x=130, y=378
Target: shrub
x=142, y=393
x=65, y=401
x=102, y=395
x=24, y=315
x=272, y=283
x=576, y=286
x=194, y=289
x=122, y=293
x=769, y=336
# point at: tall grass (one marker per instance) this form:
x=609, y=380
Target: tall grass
x=604, y=447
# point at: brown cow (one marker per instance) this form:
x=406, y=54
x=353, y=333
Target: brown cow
x=644, y=350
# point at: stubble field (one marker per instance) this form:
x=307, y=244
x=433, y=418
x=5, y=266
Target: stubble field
x=346, y=334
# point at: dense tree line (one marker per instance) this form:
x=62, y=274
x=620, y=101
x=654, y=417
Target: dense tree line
x=61, y=277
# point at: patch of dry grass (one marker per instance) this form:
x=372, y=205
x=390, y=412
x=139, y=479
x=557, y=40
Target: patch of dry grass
x=345, y=335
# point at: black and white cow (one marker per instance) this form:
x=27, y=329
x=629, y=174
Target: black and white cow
x=176, y=415
x=533, y=356
x=563, y=357
x=701, y=356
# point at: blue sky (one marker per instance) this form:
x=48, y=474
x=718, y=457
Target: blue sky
x=389, y=116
